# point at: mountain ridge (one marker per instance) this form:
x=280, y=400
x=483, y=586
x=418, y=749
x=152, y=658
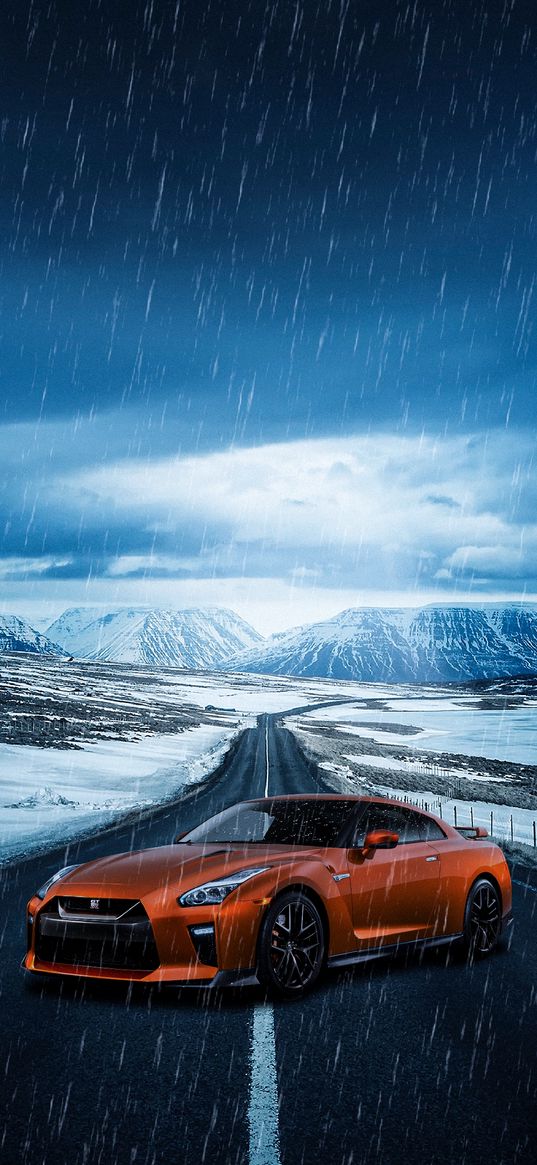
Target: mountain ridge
x=18, y=635
x=433, y=643
x=198, y=637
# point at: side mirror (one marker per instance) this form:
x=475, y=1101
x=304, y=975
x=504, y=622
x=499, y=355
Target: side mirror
x=376, y=839
x=178, y=836
x=381, y=839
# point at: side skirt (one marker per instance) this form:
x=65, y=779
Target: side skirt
x=350, y=957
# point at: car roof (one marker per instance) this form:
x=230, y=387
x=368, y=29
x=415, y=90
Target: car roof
x=357, y=798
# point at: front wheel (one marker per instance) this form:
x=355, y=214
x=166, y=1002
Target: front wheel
x=482, y=920
x=291, y=948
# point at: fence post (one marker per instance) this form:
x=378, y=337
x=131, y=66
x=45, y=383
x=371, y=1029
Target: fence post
x=472, y=814
x=491, y=822
x=512, y=830
x=455, y=814
x=534, y=835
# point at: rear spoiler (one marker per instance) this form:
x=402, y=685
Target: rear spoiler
x=472, y=832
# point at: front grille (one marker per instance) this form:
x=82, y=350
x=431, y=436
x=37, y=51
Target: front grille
x=90, y=938
x=114, y=908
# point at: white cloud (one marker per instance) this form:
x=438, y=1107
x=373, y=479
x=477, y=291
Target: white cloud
x=397, y=497
x=129, y=564
x=283, y=532
x=14, y=567
x=493, y=561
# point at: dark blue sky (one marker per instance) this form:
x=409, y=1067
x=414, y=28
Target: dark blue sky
x=230, y=224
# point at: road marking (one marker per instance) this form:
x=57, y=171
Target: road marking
x=264, y=1142
x=264, y=1133
x=265, y=794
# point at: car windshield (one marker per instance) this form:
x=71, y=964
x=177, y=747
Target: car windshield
x=314, y=822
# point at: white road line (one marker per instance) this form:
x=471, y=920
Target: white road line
x=265, y=794
x=264, y=1133
x=264, y=1136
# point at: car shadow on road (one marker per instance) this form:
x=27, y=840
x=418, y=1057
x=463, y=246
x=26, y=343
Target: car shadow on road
x=146, y=996
x=164, y=997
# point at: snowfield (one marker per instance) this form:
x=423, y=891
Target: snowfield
x=50, y=796
x=83, y=743
x=458, y=726
x=460, y=787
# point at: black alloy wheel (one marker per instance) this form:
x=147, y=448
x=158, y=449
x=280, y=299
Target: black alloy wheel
x=291, y=949
x=483, y=919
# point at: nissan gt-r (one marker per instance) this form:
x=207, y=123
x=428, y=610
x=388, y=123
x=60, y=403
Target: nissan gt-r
x=273, y=891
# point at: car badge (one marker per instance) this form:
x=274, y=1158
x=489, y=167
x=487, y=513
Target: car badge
x=94, y=903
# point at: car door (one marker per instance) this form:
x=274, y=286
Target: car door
x=453, y=886
x=395, y=892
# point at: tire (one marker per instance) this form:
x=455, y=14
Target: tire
x=482, y=920
x=291, y=946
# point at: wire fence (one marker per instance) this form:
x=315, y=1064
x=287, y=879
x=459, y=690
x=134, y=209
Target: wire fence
x=503, y=825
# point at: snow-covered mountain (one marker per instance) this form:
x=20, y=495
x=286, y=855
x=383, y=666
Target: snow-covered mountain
x=194, y=637
x=17, y=635
x=427, y=644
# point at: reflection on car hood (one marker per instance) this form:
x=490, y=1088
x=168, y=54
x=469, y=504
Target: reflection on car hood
x=150, y=869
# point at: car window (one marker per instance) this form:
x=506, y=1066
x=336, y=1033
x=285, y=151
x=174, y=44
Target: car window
x=276, y=822
x=392, y=817
x=430, y=831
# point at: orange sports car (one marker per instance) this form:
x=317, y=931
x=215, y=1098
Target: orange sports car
x=274, y=890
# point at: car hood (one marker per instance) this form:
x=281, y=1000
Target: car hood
x=143, y=871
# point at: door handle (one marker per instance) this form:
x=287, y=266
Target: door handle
x=433, y=858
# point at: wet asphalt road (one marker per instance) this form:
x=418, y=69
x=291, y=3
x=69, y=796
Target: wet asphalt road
x=412, y=1060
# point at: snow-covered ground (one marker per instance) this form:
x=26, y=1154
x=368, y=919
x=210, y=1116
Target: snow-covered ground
x=253, y=694
x=454, y=725
x=504, y=822
x=417, y=769
x=48, y=796
x=82, y=743
x=389, y=754
x=91, y=682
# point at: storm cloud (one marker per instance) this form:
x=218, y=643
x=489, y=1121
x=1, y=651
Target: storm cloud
x=267, y=295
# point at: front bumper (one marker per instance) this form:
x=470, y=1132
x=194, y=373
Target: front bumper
x=153, y=948
x=240, y=977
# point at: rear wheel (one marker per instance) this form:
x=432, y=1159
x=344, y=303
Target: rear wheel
x=482, y=919
x=291, y=947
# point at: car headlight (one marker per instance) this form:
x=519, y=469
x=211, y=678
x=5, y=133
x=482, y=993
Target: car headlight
x=212, y=893
x=55, y=878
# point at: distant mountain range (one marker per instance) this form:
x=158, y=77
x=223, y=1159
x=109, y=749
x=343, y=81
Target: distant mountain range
x=17, y=635
x=427, y=645
x=195, y=637
x=373, y=644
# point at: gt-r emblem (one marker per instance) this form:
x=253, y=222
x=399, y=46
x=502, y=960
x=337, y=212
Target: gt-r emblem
x=94, y=903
